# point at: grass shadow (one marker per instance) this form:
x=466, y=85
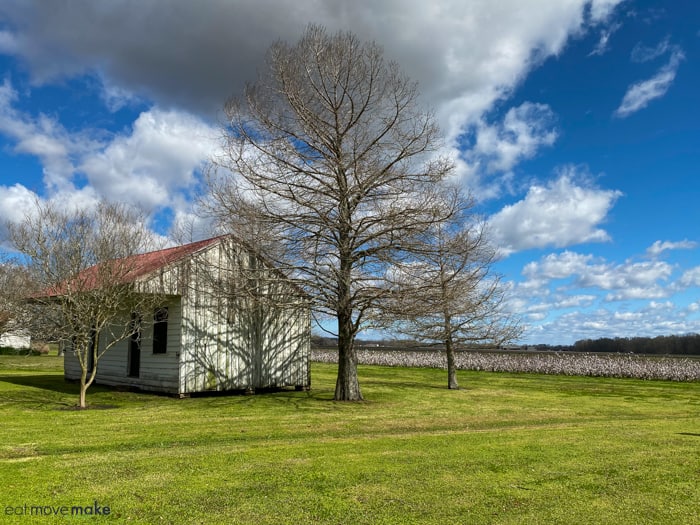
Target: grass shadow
x=44, y=391
x=54, y=382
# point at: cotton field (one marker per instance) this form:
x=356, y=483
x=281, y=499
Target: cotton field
x=565, y=363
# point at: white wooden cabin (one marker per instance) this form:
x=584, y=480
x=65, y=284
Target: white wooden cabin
x=228, y=321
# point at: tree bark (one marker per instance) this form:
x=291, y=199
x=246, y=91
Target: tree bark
x=347, y=386
x=83, y=388
x=452, y=383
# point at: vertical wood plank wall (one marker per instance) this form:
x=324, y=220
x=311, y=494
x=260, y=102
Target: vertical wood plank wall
x=220, y=335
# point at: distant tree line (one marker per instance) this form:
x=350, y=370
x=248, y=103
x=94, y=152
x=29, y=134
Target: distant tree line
x=663, y=344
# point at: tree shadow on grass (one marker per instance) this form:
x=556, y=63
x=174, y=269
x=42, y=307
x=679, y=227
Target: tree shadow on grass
x=53, y=382
x=42, y=390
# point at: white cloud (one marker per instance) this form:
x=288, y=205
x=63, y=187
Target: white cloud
x=691, y=278
x=158, y=159
x=465, y=55
x=640, y=94
x=116, y=97
x=605, y=322
x=148, y=167
x=561, y=214
x=558, y=266
x=559, y=302
x=659, y=247
x=641, y=53
x=630, y=279
x=569, y=280
x=14, y=201
x=40, y=136
x=602, y=9
x=603, y=42
x=608, y=299
x=499, y=147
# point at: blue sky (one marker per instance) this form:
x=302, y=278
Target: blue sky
x=573, y=122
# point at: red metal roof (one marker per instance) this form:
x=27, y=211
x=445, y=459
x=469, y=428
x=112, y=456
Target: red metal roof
x=134, y=267
x=145, y=263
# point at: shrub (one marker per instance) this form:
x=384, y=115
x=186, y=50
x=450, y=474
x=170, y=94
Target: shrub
x=8, y=350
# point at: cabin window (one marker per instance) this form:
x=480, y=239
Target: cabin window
x=160, y=330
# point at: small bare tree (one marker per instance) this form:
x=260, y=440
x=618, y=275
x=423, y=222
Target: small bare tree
x=445, y=293
x=84, y=264
x=330, y=152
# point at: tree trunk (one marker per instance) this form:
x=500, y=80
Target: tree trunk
x=347, y=386
x=90, y=358
x=83, y=394
x=82, y=403
x=451, y=365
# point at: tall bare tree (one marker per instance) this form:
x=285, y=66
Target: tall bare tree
x=83, y=263
x=446, y=293
x=332, y=152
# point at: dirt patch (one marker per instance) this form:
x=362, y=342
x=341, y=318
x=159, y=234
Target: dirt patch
x=89, y=407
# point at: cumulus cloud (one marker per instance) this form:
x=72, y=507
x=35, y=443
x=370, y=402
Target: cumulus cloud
x=562, y=213
x=465, y=55
x=605, y=322
x=691, y=278
x=600, y=9
x=147, y=166
x=649, y=297
x=192, y=56
x=14, y=201
x=41, y=136
x=151, y=164
x=659, y=247
x=640, y=94
x=558, y=266
x=499, y=147
x=624, y=281
x=629, y=280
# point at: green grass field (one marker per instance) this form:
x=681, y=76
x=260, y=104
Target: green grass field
x=507, y=448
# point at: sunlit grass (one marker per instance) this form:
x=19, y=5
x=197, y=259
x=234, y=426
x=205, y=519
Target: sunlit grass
x=507, y=448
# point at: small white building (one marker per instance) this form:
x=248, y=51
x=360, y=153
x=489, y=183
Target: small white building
x=16, y=340
x=228, y=321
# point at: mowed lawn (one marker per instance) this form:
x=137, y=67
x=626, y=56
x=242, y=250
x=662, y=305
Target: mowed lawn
x=507, y=448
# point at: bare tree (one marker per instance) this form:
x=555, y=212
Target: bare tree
x=15, y=283
x=84, y=264
x=331, y=154
x=446, y=293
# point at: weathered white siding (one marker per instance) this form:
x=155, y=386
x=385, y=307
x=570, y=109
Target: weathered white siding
x=233, y=324
x=71, y=366
x=158, y=372
x=239, y=337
